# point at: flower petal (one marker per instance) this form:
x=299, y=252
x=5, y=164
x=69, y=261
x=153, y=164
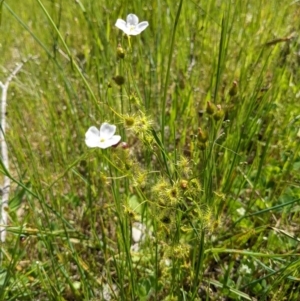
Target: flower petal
x=109, y=142
x=121, y=24
x=115, y=139
x=104, y=144
x=142, y=26
x=132, y=19
x=92, y=137
x=134, y=32
x=107, y=130
x=138, y=232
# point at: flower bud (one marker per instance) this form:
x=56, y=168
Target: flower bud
x=184, y=184
x=211, y=108
x=202, y=136
x=120, y=52
x=119, y=80
x=124, y=145
x=233, y=90
x=219, y=114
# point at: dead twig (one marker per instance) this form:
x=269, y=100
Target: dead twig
x=4, y=153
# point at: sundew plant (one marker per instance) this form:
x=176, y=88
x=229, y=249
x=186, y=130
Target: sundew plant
x=149, y=150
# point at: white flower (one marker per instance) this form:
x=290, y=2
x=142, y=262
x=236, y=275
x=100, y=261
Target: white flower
x=131, y=27
x=138, y=232
x=241, y=211
x=244, y=269
x=103, y=138
x=167, y=262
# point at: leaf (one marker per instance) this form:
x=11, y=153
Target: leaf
x=135, y=205
x=3, y=275
x=232, y=290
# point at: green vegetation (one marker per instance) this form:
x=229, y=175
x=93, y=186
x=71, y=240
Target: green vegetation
x=206, y=102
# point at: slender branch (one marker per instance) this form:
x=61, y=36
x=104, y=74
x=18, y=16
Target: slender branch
x=4, y=153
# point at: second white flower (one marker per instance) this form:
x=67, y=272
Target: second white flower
x=131, y=26
x=103, y=138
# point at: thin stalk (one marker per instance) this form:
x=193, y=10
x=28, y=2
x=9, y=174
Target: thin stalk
x=69, y=54
x=164, y=100
x=4, y=154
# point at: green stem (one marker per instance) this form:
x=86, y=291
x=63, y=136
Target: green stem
x=163, y=116
x=69, y=53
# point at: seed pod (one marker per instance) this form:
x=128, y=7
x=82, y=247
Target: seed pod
x=211, y=108
x=219, y=114
x=202, y=136
x=120, y=52
x=119, y=80
x=233, y=90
